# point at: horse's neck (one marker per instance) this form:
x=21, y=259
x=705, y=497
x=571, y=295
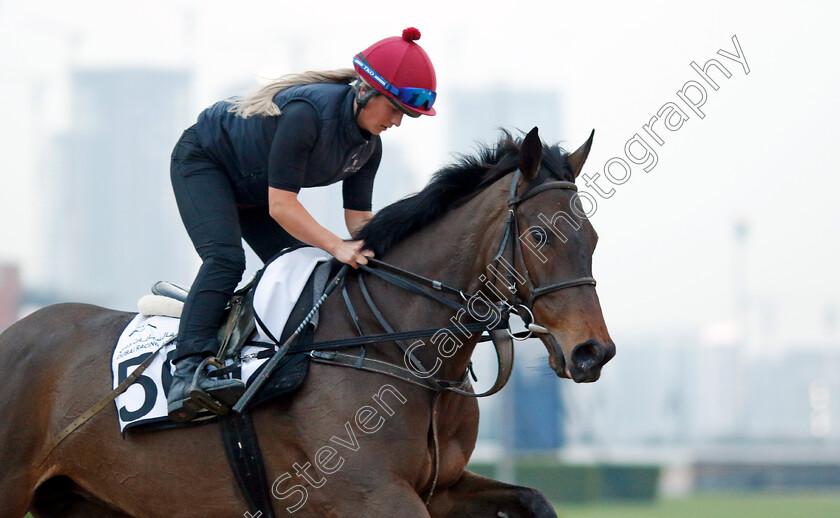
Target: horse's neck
x=455, y=250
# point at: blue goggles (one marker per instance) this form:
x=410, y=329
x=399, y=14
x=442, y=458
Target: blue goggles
x=418, y=98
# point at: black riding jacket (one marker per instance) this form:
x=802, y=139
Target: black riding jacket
x=315, y=141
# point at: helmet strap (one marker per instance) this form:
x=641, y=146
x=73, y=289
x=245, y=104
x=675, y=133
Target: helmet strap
x=362, y=98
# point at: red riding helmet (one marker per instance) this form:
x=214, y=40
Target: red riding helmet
x=399, y=69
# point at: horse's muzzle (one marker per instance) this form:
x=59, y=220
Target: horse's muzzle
x=588, y=358
x=584, y=363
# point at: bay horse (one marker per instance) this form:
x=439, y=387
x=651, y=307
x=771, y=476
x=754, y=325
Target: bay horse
x=348, y=442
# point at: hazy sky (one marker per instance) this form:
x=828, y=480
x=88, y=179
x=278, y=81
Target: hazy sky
x=764, y=153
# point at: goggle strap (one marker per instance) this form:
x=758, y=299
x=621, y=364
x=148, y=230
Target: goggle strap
x=393, y=90
x=363, y=99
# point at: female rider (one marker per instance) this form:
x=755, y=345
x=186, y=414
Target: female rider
x=236, y=174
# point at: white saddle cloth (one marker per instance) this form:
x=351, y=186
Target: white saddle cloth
x=145, y=401
x=279, y=288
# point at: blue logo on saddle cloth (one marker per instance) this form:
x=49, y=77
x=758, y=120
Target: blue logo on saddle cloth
x=145, y=400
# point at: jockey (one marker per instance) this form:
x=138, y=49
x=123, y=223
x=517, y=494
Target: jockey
x=236, y=174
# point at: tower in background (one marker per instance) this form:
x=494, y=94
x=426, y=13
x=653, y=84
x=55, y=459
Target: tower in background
x=527, y=415
x=477, y=116
x=10, y=294
x=115, y=228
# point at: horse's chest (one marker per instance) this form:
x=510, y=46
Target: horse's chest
x=457, y=431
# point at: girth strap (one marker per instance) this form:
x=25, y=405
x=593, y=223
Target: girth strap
x=243, y=453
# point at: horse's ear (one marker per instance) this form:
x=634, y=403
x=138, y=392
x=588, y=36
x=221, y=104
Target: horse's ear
x=530, y=154
x=577, y=158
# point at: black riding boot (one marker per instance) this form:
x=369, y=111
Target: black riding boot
x=192, y=390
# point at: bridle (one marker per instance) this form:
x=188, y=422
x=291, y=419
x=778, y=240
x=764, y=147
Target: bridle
x=500, y=333
x=501, y=336
x=511, y=234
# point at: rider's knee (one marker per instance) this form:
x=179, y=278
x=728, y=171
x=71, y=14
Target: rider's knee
x=226, y=257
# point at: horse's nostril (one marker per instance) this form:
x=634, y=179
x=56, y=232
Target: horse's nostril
x=588, y=355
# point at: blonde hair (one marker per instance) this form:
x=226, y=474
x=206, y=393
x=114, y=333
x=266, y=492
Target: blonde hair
x=261, y=102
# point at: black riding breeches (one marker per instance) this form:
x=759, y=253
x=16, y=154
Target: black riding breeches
x=216, y=226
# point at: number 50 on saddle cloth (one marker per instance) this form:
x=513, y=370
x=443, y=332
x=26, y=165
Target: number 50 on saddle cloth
x=282, y=296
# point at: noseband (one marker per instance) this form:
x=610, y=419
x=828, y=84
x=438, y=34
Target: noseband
x=499, y=333
x=511, y=234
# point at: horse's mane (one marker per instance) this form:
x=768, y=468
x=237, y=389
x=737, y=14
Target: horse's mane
x=453, y=185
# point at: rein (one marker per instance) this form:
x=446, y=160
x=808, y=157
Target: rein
x=500, y=334
x=419, y=285
x=420, y=375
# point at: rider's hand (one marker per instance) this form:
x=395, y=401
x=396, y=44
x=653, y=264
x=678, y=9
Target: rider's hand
x=350, y=252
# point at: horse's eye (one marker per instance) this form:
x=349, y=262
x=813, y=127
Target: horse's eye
x=538, y=235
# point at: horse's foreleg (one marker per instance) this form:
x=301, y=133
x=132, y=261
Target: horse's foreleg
x=15, y=492
x=403, y=505
x=473, y=496
x=391, y=499
x=14, y=503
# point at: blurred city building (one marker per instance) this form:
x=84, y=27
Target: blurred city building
x=395, y=179
x=10, y=294
x=706, y=406
x=684, y=393
x=710, y=411
x=477, y=116
x=712, y=417
x=527, y=415
x=115, y=227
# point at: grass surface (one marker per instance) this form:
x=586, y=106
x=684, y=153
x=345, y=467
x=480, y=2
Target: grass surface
x=795, y=505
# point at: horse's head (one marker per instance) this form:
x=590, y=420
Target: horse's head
x=544, y=263
x=552, y=255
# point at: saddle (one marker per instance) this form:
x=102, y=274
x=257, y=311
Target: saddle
x=243, y=348
x=239, y=436
x=239, y=324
